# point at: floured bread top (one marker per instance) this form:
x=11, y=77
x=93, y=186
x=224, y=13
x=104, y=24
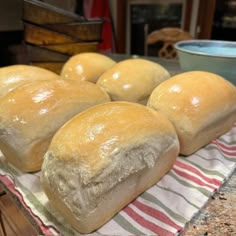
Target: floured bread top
x=86, y=66
x=132, y=80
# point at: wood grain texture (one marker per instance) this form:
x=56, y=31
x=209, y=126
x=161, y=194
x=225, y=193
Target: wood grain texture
x=37, y=53
x=84, y=31
x=42, y=13
x=13, y=220
x=38, y=35
x=205, y=18
x=73, y=48
x=52, y=66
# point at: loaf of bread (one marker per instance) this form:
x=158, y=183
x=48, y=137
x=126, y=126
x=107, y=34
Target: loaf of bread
x=132, y=80
x=32, y=113
x=16, y=75
x=86, y=66
x=201, y=105
x=103, y=158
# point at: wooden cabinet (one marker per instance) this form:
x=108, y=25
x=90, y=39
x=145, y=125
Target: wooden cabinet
x=12, y=221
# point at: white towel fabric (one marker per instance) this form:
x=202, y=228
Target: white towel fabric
x=164, y=209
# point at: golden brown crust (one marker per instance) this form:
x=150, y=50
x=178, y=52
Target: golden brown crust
x=17, y=75
x=32, y=113
x=86, y=66
x=196, y=102
x=107, y=126
x=132, y=80
x=99, y=154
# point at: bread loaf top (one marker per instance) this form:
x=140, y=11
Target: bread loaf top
x=97, y=137
x=32, y=113
x=103, y=158
x=16, y=75
x=132, y=80
x=194, y=99
x=86, y=66
x=42, y=105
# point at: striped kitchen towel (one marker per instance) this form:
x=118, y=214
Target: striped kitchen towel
x=164, y=209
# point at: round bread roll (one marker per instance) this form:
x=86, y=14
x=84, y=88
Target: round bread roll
x=201, y=105
x=16, y=75
x=93, y=167
x=86, y=66
x=32, y=113
x=132, y=80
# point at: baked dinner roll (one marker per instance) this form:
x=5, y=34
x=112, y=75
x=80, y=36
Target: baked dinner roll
x=16, y=75
x=86, y=66
x=32, y=113
x=132, y=80
x=201, y=105
x=103, y=158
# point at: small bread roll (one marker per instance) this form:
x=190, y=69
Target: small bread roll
x=103, y=158
x=16, y=75
x=86, y=66
x=201, y=105
x=32, y=113
x=132, y=80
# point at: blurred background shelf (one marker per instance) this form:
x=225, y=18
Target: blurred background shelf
x=43, y=13
x=53, y=66
x=90, y=30
x=52, y=34
x=41, y=36
x=211, y=19
x=35, y=53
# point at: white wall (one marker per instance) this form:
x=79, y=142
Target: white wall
x=193, y=23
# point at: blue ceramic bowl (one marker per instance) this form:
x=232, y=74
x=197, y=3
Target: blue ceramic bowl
x=208, y=55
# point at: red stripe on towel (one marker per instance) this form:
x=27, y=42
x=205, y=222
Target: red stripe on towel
x=146, y=224
x=197, y=172
x=193, y=179
x=156, y=214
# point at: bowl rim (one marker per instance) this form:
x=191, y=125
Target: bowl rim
x=205, y=42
